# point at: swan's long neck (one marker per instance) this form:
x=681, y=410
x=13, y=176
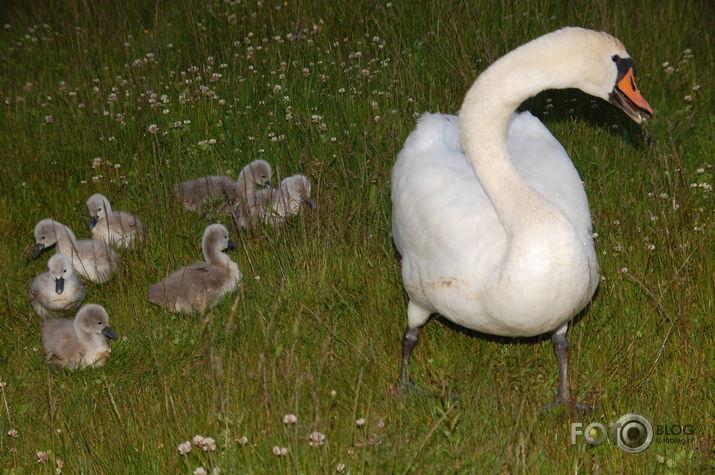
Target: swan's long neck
x=544, y=63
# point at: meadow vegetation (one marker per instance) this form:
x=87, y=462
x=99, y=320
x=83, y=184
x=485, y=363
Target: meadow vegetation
x=128, y=98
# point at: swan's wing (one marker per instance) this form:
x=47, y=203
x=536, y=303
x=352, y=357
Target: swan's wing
x=544, y=164
x=440, y=208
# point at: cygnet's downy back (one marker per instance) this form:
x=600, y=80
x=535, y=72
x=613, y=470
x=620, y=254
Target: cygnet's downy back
x=92, y=259
x=200, y=286
x=220, y=193
x=115, y=228
x=78, y=343
x=274, y=206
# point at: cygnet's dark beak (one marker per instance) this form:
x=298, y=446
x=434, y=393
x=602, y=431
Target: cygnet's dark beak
x=93, y=222
x=268, y=184
x=311, y=204
x=59, y=285
x=109, y=333
x=39, y=247
x=231, y=245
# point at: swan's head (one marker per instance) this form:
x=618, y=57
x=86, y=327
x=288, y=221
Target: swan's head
x=595, y=62
x=215, y=240
x=260, y=172
x=600, y=66
x=99, y=208
x=46, y=232
x=60, y=269
x=94, y=319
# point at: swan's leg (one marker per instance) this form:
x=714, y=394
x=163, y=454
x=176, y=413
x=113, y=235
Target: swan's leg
x=409, y=341
x=416, y=317
x=561, y=350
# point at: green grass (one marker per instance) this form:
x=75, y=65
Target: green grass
x=315, y=328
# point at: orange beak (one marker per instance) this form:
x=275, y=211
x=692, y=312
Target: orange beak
x=627, y=85
x=625, y=95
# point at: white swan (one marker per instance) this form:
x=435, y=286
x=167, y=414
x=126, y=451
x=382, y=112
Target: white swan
x=490, y=215
x=116, y=228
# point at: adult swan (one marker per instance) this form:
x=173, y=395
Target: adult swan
x=488, y=212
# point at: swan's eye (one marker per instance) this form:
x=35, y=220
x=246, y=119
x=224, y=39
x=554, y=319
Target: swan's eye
x=615, y=58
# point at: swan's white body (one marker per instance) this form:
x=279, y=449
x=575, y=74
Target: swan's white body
x=454, y=246
x=489, y=213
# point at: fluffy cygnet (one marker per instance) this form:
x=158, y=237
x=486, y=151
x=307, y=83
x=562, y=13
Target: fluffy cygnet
x=78, y=343
x=274, y=205
x=202, y=285
x=57, y=290
x=116, y=228
x=194, y=194
x=92, y=259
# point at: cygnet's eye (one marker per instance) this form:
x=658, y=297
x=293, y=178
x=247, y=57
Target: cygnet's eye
x=42, y=238
x=99, y=209
x=64, y=270
x=99, y=323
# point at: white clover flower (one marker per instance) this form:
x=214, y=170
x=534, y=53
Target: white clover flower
x=276, y=451
x=184, y=448
x=200, y=471
x=41, y=457
x=209, y=445
x=360, y=422
x=153, y=129
x=340, y=468
x=243, y=440
x=316, y=439
x=290, y=419
x=197, y=440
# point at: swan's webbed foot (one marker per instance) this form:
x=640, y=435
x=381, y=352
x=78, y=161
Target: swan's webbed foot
x=409, y=388
x=578, y=407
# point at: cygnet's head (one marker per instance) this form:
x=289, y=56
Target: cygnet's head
x=99, y=208
x=93, y=319
x=60, y=269
x=46, y=232
x=260, y=172
x=298, y=188
x=215, y=240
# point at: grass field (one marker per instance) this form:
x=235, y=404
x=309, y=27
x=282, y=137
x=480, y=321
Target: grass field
x=331, y=90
